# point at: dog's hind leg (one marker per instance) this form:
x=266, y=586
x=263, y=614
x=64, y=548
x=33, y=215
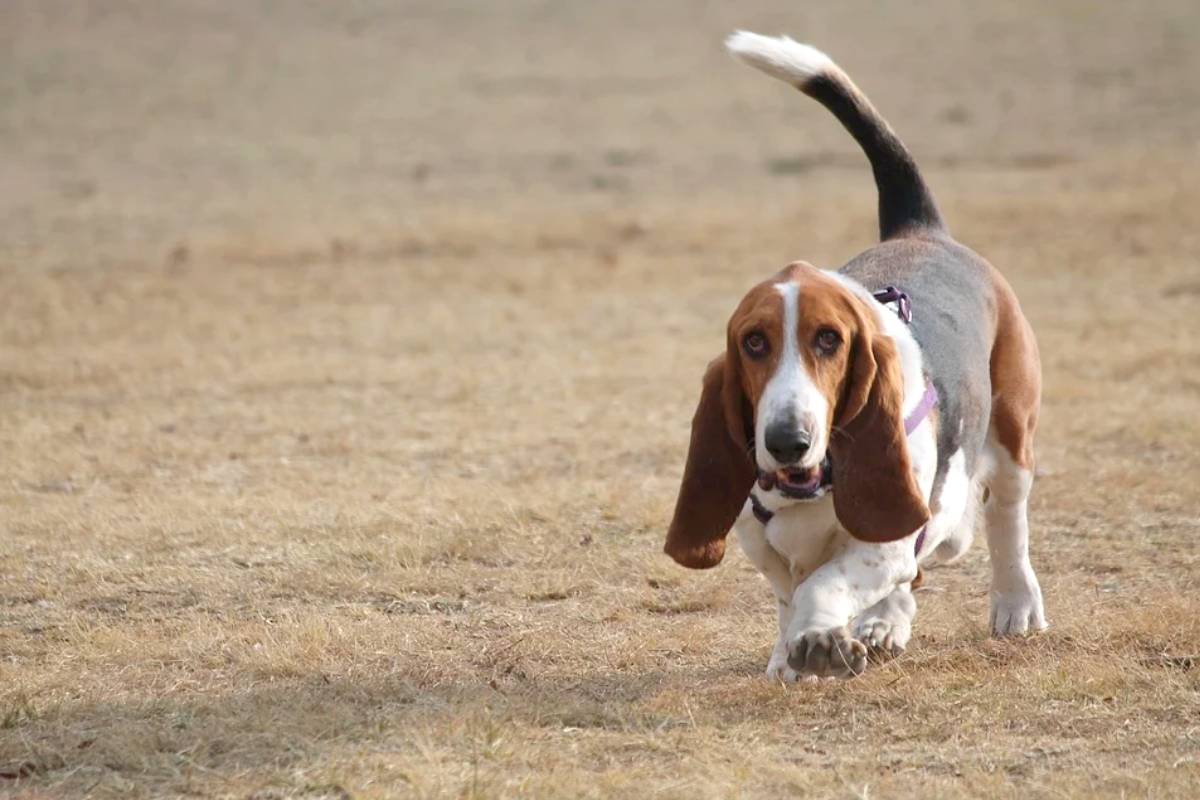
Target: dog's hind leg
x=961, y=535
x=1016, y=597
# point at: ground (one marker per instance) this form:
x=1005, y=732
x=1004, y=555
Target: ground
x=347, y=355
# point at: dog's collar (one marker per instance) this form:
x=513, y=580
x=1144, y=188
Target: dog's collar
x=761, y=512
x=929, y=399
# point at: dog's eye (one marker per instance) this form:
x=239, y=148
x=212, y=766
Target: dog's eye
x=828, y=341
x=755, y=344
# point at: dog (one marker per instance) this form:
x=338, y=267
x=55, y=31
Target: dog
x=858, y=418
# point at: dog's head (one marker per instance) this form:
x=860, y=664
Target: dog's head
x=807, y=374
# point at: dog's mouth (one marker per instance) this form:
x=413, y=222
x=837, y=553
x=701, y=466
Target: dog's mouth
x=798, y=484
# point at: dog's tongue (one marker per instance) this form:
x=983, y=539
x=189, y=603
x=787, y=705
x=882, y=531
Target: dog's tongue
x=799, y=479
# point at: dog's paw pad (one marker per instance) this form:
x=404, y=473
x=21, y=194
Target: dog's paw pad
x=827, y=653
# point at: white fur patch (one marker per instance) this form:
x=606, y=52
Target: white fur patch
x=859, y=575
x=791, y=392
x=950, y=506
x=887, y=625
x=1016, y=597
x=779, y=57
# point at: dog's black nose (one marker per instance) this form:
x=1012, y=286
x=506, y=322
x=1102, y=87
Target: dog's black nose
x=787, y=444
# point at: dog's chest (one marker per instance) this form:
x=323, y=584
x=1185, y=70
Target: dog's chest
x=805, y=534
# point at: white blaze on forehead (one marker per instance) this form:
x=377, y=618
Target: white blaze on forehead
x=791, y=394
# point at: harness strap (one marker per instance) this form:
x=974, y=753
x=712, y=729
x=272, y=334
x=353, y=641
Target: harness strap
x=918, y=415
x=890, y=294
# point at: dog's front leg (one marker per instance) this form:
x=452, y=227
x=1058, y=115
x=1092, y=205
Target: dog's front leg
x=752, y=536
x=859, y=575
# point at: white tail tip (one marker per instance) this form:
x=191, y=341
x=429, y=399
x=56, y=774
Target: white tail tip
x=779, y=56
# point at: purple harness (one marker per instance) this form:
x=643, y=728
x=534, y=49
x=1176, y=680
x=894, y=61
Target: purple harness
x=888, y=294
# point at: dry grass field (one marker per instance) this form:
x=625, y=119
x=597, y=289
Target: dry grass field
x=347, y=356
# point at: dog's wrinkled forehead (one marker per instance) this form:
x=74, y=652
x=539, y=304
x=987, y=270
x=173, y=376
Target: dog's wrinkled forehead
x=760, y=309
x=820, y=297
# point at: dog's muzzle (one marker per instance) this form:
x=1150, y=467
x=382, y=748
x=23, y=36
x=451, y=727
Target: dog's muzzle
x=798, y=484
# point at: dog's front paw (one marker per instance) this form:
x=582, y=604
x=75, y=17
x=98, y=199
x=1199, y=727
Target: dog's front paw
x=884, y=638
x=778, y=670
x=832, y=652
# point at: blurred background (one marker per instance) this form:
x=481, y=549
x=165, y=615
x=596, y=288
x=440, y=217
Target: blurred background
x=133, y=127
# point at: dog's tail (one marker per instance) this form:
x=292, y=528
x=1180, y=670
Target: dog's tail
x=905, y=203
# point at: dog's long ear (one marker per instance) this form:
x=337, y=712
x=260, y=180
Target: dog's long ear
x=875, y=493
x=718, y=474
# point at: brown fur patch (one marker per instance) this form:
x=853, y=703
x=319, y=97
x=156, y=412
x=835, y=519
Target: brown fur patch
x=760, y=311
x=1016, y=373
x=875, y=495
x=717, y=476
x=918, y=581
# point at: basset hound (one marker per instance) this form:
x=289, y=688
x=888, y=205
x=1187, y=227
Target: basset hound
x=858, y=418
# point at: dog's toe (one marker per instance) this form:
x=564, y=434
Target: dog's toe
x=827, y=653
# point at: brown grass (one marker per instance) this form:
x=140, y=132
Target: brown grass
x=347, y=360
